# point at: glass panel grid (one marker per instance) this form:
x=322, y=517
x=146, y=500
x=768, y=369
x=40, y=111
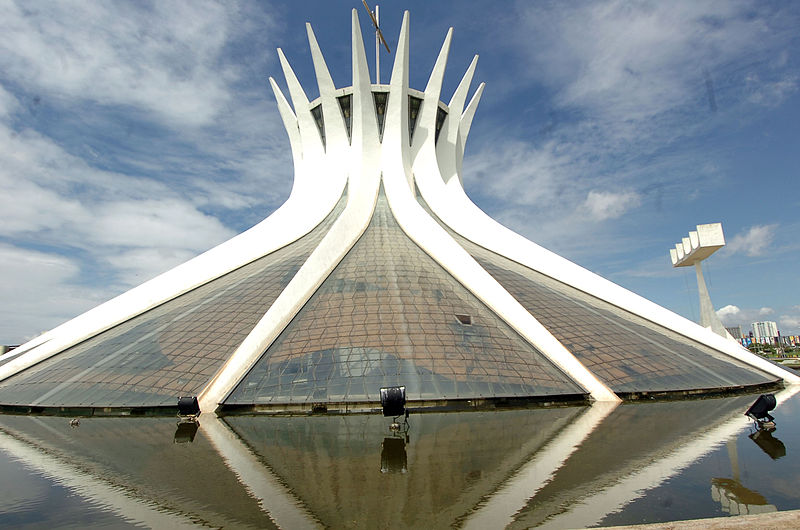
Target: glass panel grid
x=387, y=316
x=170, y=351
x=627, y=352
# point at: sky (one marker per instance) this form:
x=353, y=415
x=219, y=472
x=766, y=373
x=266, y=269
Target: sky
x=136, y=135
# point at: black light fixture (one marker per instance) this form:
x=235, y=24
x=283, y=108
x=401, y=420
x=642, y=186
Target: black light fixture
x=188, y=407
x=759, y=411
x=393, y=401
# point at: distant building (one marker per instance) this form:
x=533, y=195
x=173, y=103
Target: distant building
x=736, y=332
x=765, y=329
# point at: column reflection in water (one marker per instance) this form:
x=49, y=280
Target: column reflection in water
x=130, y=467
x=638, y=448
x=453, y=461
x=733, y=496
x=551, y=467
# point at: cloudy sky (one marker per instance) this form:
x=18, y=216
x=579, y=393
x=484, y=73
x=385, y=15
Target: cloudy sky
x=135, y=135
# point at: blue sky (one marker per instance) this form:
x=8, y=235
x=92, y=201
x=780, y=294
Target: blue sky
x=135, y=135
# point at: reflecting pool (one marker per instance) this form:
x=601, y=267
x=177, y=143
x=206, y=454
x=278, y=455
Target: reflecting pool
x=562, y=467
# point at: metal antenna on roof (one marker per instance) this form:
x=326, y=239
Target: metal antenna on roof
x=375, y=17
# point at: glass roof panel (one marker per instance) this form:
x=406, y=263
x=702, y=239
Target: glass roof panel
x=169, y=351
x=627, y=352
x=387, y=315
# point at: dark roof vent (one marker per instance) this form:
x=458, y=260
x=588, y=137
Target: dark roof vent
x=346, y=104
x=465, y=319
x=316, y=112
x=380, y=109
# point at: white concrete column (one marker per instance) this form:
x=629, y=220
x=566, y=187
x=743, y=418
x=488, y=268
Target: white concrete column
x=436, y=242
x=708, y=317
x=275, y=499
x=364, y=183
x=499, y=509
x=316, y=190
x=445, y=195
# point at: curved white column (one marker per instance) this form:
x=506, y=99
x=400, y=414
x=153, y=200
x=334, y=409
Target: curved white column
x=440, y=184
x=433, y=239
x=452, y=205
x=499, y=509
x=364, y=183
x=454, y=130
x=653, y=472
x=92, y=487
x=316, y=190
x=275, y=499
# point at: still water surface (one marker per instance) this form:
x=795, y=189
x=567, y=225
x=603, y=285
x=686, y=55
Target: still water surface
x=553, y=468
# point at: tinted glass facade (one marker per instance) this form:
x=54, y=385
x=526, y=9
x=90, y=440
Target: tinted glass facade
x=387, y=315
x=170, y=351
x=625, y=351
x=390, y=315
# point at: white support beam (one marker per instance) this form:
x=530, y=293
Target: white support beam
x=364, y=183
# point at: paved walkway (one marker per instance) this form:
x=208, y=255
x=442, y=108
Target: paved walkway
x=763, y=521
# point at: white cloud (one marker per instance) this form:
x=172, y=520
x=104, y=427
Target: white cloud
x=770, y=93
x=160, y=223
x=8, y=103
x=35, y=208
x=103, y=148
x=732, y=315
x=728, y=312
x=633, y=61
x=114, y=209
x=531, y=185
x=31, y=276
x=519, y=173
x=754, y=242
x=602, y=205
x=788, y=322
x=159, y=84
x=140, y=264
x=121, y=53
x=631, y=81
x=548, y=192
x=110, y=219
